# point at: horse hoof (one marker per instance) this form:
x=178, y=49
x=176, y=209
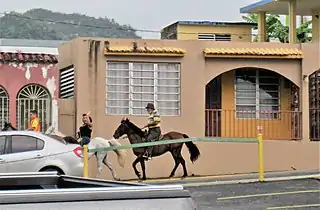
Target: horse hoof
x=183, y=177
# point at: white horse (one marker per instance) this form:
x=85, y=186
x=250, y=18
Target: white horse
x=102, y=156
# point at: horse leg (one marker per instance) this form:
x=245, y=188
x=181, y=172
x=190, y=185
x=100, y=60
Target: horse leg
x=183, y=163
x=108, y=164
x=99, y=163
x=134, y=164
x=143, y=168
x=176, y=158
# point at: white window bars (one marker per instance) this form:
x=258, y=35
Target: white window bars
x=130, y=86
x=257, y=94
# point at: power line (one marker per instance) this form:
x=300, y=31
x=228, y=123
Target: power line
x=110, y=28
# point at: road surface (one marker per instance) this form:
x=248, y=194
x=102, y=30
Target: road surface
x=301, y=194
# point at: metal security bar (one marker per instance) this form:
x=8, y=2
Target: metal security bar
x=275, y=125
x=4, y=107
x=43, y=107
x=130, y=86
x=314, y=106
x=67, y=83
x=33, y=97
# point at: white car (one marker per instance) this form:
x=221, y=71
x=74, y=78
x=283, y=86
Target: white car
x=28, y=151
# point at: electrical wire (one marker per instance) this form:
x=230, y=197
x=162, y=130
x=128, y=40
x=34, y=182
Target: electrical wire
x=124, y=28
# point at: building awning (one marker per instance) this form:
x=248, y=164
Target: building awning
x=145, y=51
x=7, y=57
x=281, y=7
x=283, y=53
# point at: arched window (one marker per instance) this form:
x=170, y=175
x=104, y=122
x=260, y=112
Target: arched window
x=4, y=107
x=33, y=97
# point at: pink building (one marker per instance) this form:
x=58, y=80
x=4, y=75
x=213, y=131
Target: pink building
x=28, y=81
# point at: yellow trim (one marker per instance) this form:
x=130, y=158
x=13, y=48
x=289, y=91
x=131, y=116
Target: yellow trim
x=253, y=56
x=145, y=51
x=268, y=194
x=293, y=53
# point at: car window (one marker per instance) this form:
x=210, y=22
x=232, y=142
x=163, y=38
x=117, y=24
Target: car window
x=2, y=144
x=25, y=144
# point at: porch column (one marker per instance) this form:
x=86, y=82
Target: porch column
x=304, y=101
x=262, y=27
x=293, y=22
x=315, y=27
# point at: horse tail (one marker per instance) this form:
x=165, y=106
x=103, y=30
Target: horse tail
x=121, y=153
x=193, y=149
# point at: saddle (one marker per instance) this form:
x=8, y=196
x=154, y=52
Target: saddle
x=146, y=135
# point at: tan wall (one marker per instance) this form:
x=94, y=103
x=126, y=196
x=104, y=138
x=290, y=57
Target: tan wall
x=67, y=116
x=238, y=33
x=196, y=72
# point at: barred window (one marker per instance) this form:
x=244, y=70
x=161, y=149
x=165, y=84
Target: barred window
x=130, y=86
x=257, y=94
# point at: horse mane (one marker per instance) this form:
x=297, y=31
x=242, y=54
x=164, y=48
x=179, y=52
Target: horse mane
x=135, y=128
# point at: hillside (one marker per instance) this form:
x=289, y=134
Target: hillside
x=28, y=25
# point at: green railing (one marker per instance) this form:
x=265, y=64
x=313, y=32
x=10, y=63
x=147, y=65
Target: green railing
x=174, y=141
x=257, y=140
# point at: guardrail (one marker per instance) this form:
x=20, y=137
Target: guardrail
x=257, y=140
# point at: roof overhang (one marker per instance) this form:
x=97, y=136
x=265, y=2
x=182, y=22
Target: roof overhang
x=144, y=51
x=273, y=53
x=281, y=7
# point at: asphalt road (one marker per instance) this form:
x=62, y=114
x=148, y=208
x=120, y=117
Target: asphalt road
x=304, y=194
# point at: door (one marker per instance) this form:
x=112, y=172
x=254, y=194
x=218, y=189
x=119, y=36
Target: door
x=3, y=154
x=25, y=154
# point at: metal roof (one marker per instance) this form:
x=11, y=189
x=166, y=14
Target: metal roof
x=281, y=7
x=211, y=23
x=31, y=43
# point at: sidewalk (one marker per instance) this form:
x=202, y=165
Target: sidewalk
x=236, y=178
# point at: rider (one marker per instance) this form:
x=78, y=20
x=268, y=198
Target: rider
x=154, y=130
x=86, y=129
x=35, y=122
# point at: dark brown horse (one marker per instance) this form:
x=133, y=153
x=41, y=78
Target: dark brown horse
x=68, y=139
x=136, y=135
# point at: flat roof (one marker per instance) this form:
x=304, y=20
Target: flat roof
x=281, y=7
x=211, y=23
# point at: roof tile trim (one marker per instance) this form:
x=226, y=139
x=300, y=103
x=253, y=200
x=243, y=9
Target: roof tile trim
x=144, y=50
x=27, y=58
x=296, y=53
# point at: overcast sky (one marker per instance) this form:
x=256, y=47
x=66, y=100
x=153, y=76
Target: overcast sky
x=141, y=14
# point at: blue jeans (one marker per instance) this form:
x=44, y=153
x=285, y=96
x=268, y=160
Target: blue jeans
x=85, y=140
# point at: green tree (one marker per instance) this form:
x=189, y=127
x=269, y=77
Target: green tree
x=34, y=24
x=275, y=28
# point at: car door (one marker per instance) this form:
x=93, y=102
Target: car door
x=3, y=166
x=25, y=152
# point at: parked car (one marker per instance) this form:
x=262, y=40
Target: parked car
x=28, y=151
x=25, y=191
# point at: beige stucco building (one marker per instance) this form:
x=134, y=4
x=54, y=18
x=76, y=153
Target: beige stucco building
x=201, y=88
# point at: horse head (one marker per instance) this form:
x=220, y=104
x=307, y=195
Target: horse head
x=126, y=127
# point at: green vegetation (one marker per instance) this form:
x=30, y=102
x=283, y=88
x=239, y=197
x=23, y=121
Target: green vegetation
x=275, y=29
x=33, y=25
